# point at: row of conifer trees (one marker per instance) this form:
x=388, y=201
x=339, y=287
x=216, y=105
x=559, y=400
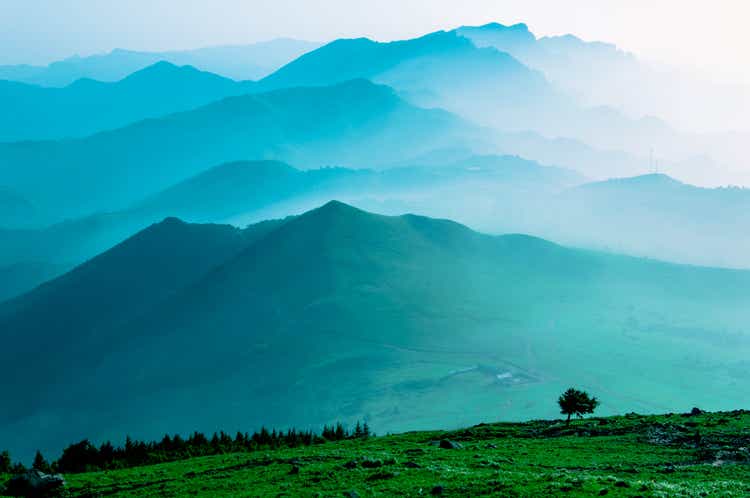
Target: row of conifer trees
x=87, y=457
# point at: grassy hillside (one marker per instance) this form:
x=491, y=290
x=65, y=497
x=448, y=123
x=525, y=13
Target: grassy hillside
x=339, y=314
x=674, y=455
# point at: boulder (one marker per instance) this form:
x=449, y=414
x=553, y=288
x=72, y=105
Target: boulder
x=447, y=444
x=35, y=483
x=371, y=463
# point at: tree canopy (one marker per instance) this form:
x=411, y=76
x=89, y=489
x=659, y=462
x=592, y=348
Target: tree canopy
x=576, y=402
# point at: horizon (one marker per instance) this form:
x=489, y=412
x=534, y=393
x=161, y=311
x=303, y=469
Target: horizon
x=82, y=28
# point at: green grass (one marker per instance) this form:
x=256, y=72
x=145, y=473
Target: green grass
x=628, y=455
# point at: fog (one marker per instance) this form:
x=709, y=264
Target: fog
x=425, y=233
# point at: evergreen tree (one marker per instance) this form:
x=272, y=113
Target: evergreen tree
x=340, y=432
x=5, y=462
x=106, y=455
x=40, y=463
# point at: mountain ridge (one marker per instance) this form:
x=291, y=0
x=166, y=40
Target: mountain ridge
x=365, y=299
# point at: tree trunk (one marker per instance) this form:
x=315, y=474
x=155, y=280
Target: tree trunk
x=567, y=422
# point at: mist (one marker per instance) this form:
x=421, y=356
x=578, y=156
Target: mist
x=264, y=221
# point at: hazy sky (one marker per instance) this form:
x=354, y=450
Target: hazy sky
x=710, y=35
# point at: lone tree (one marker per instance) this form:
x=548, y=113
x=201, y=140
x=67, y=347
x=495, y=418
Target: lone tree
x=578, y=403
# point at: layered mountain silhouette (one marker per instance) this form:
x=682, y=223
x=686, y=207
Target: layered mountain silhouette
x=474, y=72
x=339, y=313
x=355, y=123
x=657, y=216
x=614, y=84
x=88, y=106
x=249, y=191
x=239, y=62
x=440, y=69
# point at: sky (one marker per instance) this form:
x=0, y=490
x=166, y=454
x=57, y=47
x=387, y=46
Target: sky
x=705, y=35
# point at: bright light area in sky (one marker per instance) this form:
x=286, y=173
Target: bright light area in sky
x=708, y=35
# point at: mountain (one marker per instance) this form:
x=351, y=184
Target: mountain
x=440, y=69
x=594, y=74
x=355, y=123
x=657, y=216
x=239, y=62
x=248, y=191
x=483, y=75
x=651, y=215
x=339, y=313
x=87, y=106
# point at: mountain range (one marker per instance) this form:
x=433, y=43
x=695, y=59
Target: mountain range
x=339, y=313
x=467, y=71
x=651, y=216
x=238, y=62
x=249, y=191
x=596, y=74
x=87, y=106
x=355, y=123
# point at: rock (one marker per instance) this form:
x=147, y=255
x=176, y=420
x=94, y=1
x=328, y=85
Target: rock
x=412, y=465
x=351, y=464
x=603, y=491
x=622, y=484
x=35, y=483
x=447, y=444
x=378, y=476
x=491, y=446
x=437, y=490
x=295, y=470
x=351, y=494
x=371, y=463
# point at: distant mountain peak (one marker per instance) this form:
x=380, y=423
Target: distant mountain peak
x=336, y=208
x=649, y=180
x=499, y=33
x=161, y=68
x=496, y=26
x=654, y=178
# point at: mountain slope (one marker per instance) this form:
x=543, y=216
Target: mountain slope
x=440, y=69
x=657, y=216
x=89, y=106
x=341, y=313
x=354, y=123
x=249, y=191
x=120, y=283
x=594, y=75
x=239, y=62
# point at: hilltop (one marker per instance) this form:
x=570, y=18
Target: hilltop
x=676, y=455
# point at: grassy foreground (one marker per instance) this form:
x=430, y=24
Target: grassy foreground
x=631, y=455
